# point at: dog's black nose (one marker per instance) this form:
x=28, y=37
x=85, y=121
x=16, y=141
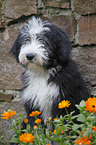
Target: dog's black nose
x=30, y=56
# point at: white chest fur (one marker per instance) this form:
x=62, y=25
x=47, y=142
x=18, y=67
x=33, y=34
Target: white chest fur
x=39, y=91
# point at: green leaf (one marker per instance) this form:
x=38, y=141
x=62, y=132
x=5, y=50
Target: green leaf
x=62, y=119
x=14, y=138
x=66, y=142
x=81, y=106
x=57, y=121
x=78, y=106
x=24, y=130
x=47, y=134
x=81, y=118
x=75, y=126
x=13, y=122
x=75, y=116
x=28, y=128
x=18, y=131
x=82, y=103
x=72, y=113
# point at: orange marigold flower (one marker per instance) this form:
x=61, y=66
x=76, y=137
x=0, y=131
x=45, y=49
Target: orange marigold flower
x=66, y=129
x=26, y=120
x=5, y=115
x=35, y=127
x=26, y=138
x=90, y=137
x=94, y=128
x=12, y=113
x=62, y=132
x=8, y=114
x=37, y=121
x=82, y=132
x=91, y=105
x=35, y=113
x=84, y=140
x=55, y=119
x=63, y=104
x=54, y=131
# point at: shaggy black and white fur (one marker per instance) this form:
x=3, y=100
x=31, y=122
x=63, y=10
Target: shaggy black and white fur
x=50, y=74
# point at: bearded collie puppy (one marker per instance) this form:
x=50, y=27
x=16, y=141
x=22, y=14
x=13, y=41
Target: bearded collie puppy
x=51, y=75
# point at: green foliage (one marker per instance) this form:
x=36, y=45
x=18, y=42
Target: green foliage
x=64, y=133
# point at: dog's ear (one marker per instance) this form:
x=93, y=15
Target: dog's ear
x=61, y=43
x=16, y=48
x=63, y=46
x=23, y=38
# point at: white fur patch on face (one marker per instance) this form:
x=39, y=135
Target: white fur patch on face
x=33, y=27
x=40, y=92
x=36, y=26
x=35, y=47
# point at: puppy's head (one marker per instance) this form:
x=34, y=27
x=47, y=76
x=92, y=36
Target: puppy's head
x=40, y=44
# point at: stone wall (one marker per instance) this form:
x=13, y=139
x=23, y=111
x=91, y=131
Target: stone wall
x=76, y=17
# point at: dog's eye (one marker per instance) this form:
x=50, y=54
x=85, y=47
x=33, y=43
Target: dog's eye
x=30, y=56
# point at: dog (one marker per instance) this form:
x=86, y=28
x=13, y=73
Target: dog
x=51, y=75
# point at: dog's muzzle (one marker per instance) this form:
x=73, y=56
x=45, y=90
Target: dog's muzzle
x=30, y=56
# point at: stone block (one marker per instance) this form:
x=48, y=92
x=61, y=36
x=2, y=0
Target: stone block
x=65, y=23
x=84, y=7
x=10, y=70
x=5, y=97
x=86, y=30
x=57, y=3
x=10, y=95
x=0, y=14
x=13, y=9
x=5, y=125
x=86, y=58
